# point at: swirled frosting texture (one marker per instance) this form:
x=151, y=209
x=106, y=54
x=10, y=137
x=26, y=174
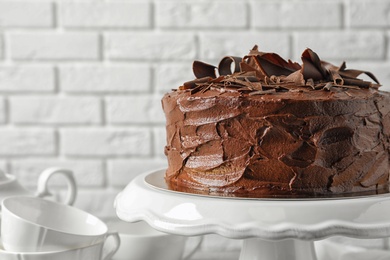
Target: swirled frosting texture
x=293, y=141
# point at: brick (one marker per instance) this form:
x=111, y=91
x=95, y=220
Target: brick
x=55, y=110
x=134, y=109
x=106, y=142
x=296, y=14
x=214, y=14
x=342, y=45
x=171, y=76
x=215, y=46
x=369, y=13
x=160, y=141
x=27, y=142
x=26, y=14
x=121, y=172
x=150, y=46
x=87, y=173
x=109, y=79
x=26, y=78
x=54, y=45
x=105, y=14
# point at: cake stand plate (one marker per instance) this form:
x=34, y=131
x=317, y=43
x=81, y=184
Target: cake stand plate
x=273, y=229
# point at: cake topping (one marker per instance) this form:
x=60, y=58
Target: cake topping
x=263, y=73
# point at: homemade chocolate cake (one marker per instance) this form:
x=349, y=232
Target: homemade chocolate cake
x=273, y=128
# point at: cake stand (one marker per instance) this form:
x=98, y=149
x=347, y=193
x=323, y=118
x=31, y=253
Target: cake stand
x=272, y=229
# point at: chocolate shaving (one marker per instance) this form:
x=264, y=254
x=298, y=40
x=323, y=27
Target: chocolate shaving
x=194, y=83
x=224, y=67
x=337, y=79
x=262, y=92
x=358, y=82
x=328, y=86
x=202, y=70
x=260, y=73
x=312, y=68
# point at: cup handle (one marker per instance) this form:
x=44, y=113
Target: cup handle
x=117, y=243
x=43, y=189
x=195, y=248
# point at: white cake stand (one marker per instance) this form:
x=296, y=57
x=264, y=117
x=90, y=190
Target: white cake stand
x=273, y=229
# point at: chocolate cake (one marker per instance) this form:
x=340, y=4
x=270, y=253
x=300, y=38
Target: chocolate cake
x=261, y=126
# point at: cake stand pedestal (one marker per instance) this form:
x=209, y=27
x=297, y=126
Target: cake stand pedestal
x=272, y=229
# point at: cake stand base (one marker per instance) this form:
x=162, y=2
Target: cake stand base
x=272, y=229
x=291, y=249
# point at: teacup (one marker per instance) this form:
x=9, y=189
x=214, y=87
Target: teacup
x=139, y=241
x=10, y=186
x=94, y=252
x=31, y=224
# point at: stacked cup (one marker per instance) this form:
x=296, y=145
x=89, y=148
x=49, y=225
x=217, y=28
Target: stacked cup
x=36, y=229
x=33, y=228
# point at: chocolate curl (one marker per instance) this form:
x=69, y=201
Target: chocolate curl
x=350, y=73
x=280, y=62
x=224, y=67
x=328, y=86
x=343, y=66
x=270, y=63
x=246, y=68
x=255, y=51
x=337, y=79
x=329, y=66
x=241, y=82
x=358, y=82
x=260, y=71
x=296, y=77
x=193, y=83
x=310, y=83
x=312, y=67
x=202, y=70
x=273, y=64
x=356, y=73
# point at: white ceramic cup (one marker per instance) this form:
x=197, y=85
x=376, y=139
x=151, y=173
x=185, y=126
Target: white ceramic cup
x=139, y=241
x=98, y=251
x=9, y=186
x=46, y=175
x=31, y=224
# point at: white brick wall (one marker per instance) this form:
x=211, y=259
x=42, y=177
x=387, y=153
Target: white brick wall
x=150, y=46
x=19, y=14
x=201, y=14
x=55, y=110
x=53, y=45
x=103, y=142
x=27, y=142
x=105, y=78
x=27, y=78
x=297, y=15
x=104, y=15
x=81, y=81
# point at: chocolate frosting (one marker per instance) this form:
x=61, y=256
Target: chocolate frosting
x=274, y=127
